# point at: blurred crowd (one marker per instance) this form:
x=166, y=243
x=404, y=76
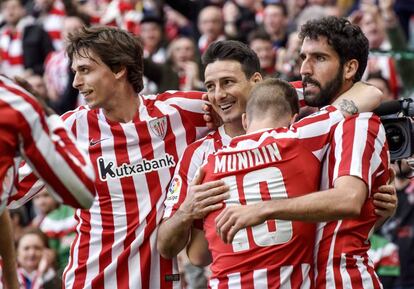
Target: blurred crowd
x=175, y=33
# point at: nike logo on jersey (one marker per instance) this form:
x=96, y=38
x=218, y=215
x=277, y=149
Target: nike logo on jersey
x=109, y=170
x=95, y=142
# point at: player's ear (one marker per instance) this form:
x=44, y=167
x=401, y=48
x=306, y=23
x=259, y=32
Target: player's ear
x=256, y=77
x=350, y=69
x=244, y=121
x=121, y=72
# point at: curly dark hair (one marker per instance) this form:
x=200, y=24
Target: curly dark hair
x=345, y=38
x=233, y=50
x=116, y=48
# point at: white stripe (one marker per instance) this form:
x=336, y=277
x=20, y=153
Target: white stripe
x=234, y=281
x=330, y=274
x=73, y=258
x=365, y=276
x=306, y=283
x=285, y=275
x=260, y=279
x=346, y=279
x=213, y=283
x=358, y=147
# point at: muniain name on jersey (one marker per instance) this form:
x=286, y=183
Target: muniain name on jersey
x=230, y=162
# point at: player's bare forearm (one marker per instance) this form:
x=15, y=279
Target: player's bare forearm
x=7, y=252
x=361, y=97
x=173, y=234
x=197, y=250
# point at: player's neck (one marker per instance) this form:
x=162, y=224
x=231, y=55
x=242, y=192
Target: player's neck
x=234, y=129
x=123, y=107
x=257, y=125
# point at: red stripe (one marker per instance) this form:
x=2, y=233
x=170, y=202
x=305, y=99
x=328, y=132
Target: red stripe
x=184, y=170
x=296, y=279
x=54, y=35
x=105, y=204
x=85, y=228
x=369, y=151
x=153, y=182
x=131, y=204
x=83, y=252
x=348, y=140
x=354, y=273
x=273, y=278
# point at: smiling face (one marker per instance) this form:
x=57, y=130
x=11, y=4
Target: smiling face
x=29, y=252
x=321, y=71
x=94, y=80
x=228, y=89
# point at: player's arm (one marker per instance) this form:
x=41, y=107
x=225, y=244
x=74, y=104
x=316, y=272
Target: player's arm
x=7, y=252
x=199, y=200
x=386, y=201
x=50, y=150
x=343, y=201
x=197, y=249
x=361, y=97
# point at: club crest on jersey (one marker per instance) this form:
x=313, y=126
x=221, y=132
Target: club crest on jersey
x=174, y=190
x=159, y=126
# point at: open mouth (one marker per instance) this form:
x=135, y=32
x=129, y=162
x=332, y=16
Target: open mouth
x=85, y=93
x=226, y=106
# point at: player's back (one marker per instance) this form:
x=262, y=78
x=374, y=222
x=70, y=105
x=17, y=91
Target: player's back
x=258, y=167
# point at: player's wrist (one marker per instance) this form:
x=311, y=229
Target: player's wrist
x=185, y=217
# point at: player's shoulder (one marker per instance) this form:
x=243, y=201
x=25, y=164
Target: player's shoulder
x=170, y=95
x=77, y=113
x=363, y=117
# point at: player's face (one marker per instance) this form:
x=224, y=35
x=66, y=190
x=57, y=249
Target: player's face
x=94, y=80
x=228, y=89
x=321, y=71
x=29, y=252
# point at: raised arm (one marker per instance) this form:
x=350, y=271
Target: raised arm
x=361, y=97
x=345, y=200
x=48, y=148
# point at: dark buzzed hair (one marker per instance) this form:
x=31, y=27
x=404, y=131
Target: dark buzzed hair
x=345, y=38
x=272, y=95
x=233, y=50
x=116, y=48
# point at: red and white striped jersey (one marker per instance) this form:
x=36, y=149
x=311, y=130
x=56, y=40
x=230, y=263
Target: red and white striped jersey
x=115, y=246
x=192, y=159
x=259, y=167
x=53, y=24
x=11, y=50
x=44, y=144
x=195, y=155
x=358, y=148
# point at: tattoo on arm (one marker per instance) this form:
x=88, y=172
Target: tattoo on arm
x=348, y=107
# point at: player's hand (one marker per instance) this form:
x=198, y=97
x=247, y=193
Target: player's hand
x=23, y=83
x=203, y=198
x=386, y=200
x=234, y=218
x=211, y=118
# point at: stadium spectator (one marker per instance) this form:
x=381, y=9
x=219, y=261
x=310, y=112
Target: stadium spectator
x=210, y=26
x=23, y=43
x=35, y=269
x=261, y=44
